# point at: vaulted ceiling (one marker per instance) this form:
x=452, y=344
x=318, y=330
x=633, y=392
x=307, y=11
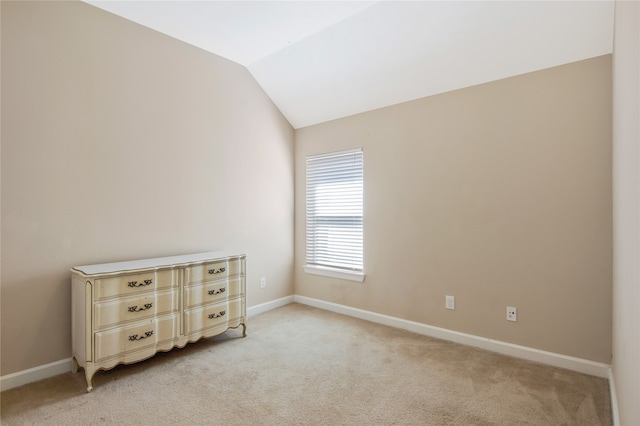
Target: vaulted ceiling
x=321, y=60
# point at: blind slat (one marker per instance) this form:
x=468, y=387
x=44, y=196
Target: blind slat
x=335, y=187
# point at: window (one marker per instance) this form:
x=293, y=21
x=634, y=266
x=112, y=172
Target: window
x=335, y=184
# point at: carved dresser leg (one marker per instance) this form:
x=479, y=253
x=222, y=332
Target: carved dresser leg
x=89, y=377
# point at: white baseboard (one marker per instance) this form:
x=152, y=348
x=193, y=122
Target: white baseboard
x=267, y=306
x=557, y=360
x=615, y=414
x=20, y=378
x=34, y=374
x=24, y=377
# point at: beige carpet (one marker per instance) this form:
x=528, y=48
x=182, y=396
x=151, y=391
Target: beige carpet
x=304, y=366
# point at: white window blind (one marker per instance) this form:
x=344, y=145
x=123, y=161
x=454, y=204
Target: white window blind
x=335, y=184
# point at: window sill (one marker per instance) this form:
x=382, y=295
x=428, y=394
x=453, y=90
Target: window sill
x=334, y=273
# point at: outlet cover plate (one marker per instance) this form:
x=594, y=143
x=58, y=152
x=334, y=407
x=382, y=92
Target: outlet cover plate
x=450, y=302
x=512, y=314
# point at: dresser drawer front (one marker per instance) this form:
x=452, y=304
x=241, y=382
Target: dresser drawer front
x=213, y=271
x=122, y=340
x=217, y=315
x=133, y=308
x=135, y=283
x=211, y=292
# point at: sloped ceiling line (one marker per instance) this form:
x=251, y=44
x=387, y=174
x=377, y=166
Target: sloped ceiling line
x=322, y=60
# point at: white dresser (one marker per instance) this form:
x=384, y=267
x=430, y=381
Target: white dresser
x=125, y=312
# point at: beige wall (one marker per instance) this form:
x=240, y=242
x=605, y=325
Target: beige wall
x=498, y=194
x=626, y=208
x=119, y=143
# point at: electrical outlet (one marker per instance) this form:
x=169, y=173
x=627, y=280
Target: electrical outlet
x=511, y=314
x=263, y=282
x=450, y=302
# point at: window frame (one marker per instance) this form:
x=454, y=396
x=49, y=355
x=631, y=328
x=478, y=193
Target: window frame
x=333, y=270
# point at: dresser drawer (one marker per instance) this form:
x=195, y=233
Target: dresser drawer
x=210, y=316
x=135, y=283
x=140, y=335
x=213, y=271
x=211, y=292
x=132, y=308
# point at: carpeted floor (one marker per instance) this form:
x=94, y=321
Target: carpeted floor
x=304, y=366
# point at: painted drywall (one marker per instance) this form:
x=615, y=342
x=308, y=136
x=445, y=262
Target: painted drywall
x=119, y=143
x=626, y=211
x=498, y=194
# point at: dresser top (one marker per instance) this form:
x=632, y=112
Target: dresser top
x=156, y=263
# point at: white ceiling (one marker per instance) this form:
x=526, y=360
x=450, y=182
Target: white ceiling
x=321, y=60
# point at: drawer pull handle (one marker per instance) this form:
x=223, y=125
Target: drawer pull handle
x=136, y=337
x=214, y=315
x=217, y=271
x=144, y=308
x=142, y=284
x=218, y=291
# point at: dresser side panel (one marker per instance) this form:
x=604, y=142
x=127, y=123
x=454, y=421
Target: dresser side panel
x=80, y=319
